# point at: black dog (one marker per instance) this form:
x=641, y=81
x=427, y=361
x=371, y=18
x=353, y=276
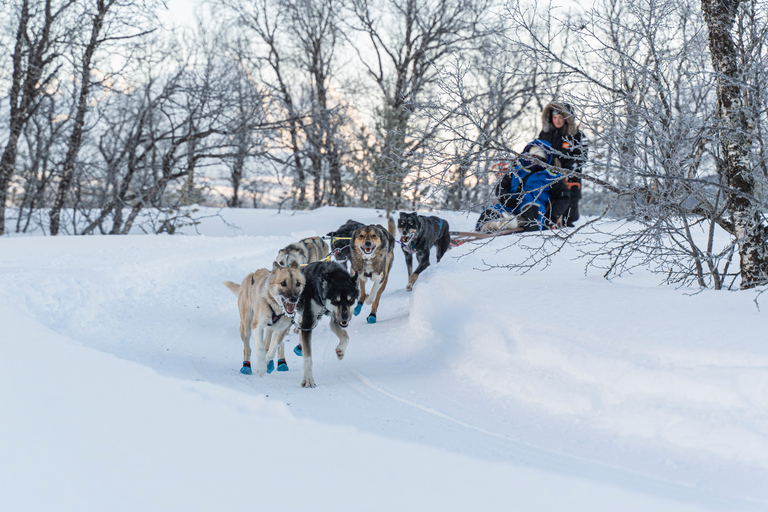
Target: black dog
x=419, y=234
x=341, y=238
x=329, y=290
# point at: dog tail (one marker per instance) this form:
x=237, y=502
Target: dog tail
x=391, y=226
x=232, y=286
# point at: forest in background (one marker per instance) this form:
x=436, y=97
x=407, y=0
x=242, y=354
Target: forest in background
x=109, y=114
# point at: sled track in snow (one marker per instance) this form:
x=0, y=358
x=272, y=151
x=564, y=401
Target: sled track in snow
x=630, y=475
x=362, y=378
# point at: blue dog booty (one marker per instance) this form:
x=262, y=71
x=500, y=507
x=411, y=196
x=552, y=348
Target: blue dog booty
x=371, y=318
x=358, y=308
x=282, y=366
x=297, y=350
x=246, y=369
x=270, y=367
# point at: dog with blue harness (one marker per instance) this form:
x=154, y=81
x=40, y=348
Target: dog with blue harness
x=418, y=235
x=533, y=193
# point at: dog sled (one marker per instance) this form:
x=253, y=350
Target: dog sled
x=461, y=237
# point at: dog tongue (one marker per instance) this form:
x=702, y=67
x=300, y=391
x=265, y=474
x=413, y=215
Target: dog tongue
x=289, y=306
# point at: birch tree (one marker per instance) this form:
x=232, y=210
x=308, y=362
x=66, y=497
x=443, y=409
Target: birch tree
x=735, y=164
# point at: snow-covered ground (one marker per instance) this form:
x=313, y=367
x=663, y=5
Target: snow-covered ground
x=480, y=390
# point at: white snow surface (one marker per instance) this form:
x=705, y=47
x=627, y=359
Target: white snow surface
x=482, y=389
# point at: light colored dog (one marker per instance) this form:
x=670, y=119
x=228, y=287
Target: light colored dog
x=504, y=222
x=302, y=252
x=267, y=301
x=372, y=255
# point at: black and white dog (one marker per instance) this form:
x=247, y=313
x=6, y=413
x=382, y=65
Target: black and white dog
x=341, y=238
x=329, y=290
x=419, y=234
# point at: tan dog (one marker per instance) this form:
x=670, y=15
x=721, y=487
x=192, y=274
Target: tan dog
x=302, y=252
x=267, y=301
x=372, y=255
x=504, y=222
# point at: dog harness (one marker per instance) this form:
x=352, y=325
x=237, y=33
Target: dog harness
x=275, y=317
x=317, y=320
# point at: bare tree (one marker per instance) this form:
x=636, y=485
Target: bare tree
x=640, y=77
x=44, y=138
x=735, y=162
x=315, y=24
x=108, y=20
x=487, y=99
x=41, y=34
x=407, y=40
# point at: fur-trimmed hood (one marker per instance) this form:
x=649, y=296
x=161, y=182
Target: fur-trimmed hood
x=570, y=127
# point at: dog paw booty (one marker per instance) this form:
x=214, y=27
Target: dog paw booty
x=282, y=366
x=358, y=308
x=297, y=350
x=246, y=369
x=371, y=318
x=270, y=366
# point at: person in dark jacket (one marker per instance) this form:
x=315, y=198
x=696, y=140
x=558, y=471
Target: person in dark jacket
x=533, y=192
x=569, y=147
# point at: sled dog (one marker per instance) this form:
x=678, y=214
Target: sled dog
x=419, y=234
x=302, y=252
x=340, y=239
x=372, y=255
x=329, y=290
x=267, y=300
x=498, y=221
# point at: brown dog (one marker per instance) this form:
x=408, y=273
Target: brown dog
x=372, y=256
x=267, y=301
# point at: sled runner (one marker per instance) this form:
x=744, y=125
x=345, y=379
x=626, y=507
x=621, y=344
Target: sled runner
x=460, y=237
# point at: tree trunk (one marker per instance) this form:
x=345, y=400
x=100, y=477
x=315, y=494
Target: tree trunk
x=75, y=140
x=734, y=164
x=26, y=85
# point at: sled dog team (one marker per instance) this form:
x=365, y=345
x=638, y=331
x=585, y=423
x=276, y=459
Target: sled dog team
x=310, y=279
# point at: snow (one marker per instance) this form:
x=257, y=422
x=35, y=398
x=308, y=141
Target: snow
x=482, y=389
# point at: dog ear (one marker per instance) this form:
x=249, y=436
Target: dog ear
x=275, y=266
x=294, y=264
x=354, y=275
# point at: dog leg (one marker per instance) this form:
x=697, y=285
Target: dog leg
x=270, y=345
x=444, y=243
x=423, y=264
x=274, y=342
x=245, y=335
x=306, y=350
x=409, y=266
x=343, y=339
x=282, y=366
x=359, y=307
x=261, y=353
x=374, y=292
x=381, y=286
x=380, y=290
